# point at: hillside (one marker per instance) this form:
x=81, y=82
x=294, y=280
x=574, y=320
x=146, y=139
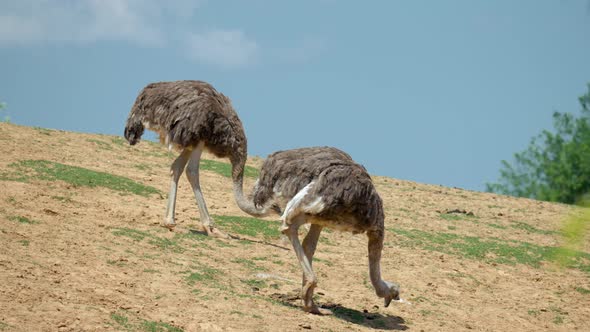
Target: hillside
x=82, y=250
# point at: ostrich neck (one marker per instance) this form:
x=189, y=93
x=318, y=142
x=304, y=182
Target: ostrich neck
x=375, y=248
x=244, y=203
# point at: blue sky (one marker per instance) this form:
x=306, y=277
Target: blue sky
x=431, y=91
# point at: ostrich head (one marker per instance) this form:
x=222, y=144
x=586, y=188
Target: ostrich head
x=392, y=293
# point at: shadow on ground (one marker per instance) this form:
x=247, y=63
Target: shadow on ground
x=365, y=318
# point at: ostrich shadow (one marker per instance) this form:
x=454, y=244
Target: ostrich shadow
x=373, y=320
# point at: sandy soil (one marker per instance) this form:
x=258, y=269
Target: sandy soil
x=75, y=258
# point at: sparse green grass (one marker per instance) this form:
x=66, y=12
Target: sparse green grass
x=255, y=283
x=202, y=274
x=582, y=290
x=498, y=226
x=121, y=320
x=137, y=324
x=4, y=326
x=533, y=313
x=25, y=243
x=530, y=229
x=249, y=226
x=248, y=264
x=489, y=250
x=119, y=141
x=225, y=169
x=102, y=145
x=159, y=327
x=23, y=220
x=116, y=262
x=76, y=176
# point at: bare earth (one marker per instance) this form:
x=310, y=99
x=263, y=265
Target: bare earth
x=77, y=258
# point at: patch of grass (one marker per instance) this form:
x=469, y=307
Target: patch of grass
x=136, y=324
x=119, y=141
x=255, y=283
x=248, y=264
x=159, y=327
x=23, y=220
x=489, y=250
x=25, y=243
x=582, y=290
x=77, y=176
x=496, y=226
x=224, y=169
x=249, y=226
x=425, y=312
x=202, y=274
x=4, y=326
x=134, y=234
x=121, y=320
x=533, y=313
x=100, y=144
x=530, y=229
x=116, y=262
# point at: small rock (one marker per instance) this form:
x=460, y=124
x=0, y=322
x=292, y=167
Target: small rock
x=305, y=326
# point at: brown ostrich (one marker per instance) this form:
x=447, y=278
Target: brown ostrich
x=324, y=187
x=191, y=116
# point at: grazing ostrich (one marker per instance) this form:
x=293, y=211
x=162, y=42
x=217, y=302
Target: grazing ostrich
x=191, y=116
x=324, y=187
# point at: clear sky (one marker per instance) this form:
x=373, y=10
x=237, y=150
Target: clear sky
x=431, y=91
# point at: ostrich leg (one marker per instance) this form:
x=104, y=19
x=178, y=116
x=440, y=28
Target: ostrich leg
x=192, y=173
x=310, y=243
x=175, y=172
x=310, y=280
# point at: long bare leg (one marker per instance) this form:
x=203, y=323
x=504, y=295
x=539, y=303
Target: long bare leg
x=175, y=171
x=310, y=243
x=192, y=173
x=290, y=229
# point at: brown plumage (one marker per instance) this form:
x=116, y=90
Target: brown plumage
x=324, y=187
x=191, y=116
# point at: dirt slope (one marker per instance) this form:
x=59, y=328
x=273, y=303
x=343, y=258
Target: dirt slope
x=80, y=257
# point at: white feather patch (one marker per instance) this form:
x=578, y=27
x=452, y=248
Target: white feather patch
x=294, y=203
x=315, y=207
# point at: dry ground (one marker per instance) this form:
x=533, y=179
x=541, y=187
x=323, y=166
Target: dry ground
x=74, y=257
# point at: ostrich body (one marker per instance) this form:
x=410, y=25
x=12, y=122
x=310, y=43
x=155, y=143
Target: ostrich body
x=191, y=116
x=324, y=187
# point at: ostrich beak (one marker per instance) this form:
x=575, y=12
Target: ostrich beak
x=387, y=301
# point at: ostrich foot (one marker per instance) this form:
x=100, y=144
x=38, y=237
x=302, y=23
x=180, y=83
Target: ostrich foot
x=215, y=232
x=168, y=225
x=318, y=311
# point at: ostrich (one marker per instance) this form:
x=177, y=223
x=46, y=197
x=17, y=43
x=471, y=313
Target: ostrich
x=324, y=187
x=191, y=116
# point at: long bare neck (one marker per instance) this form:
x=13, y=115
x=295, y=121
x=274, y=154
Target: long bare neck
x=243, y=202
x=375, y=248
